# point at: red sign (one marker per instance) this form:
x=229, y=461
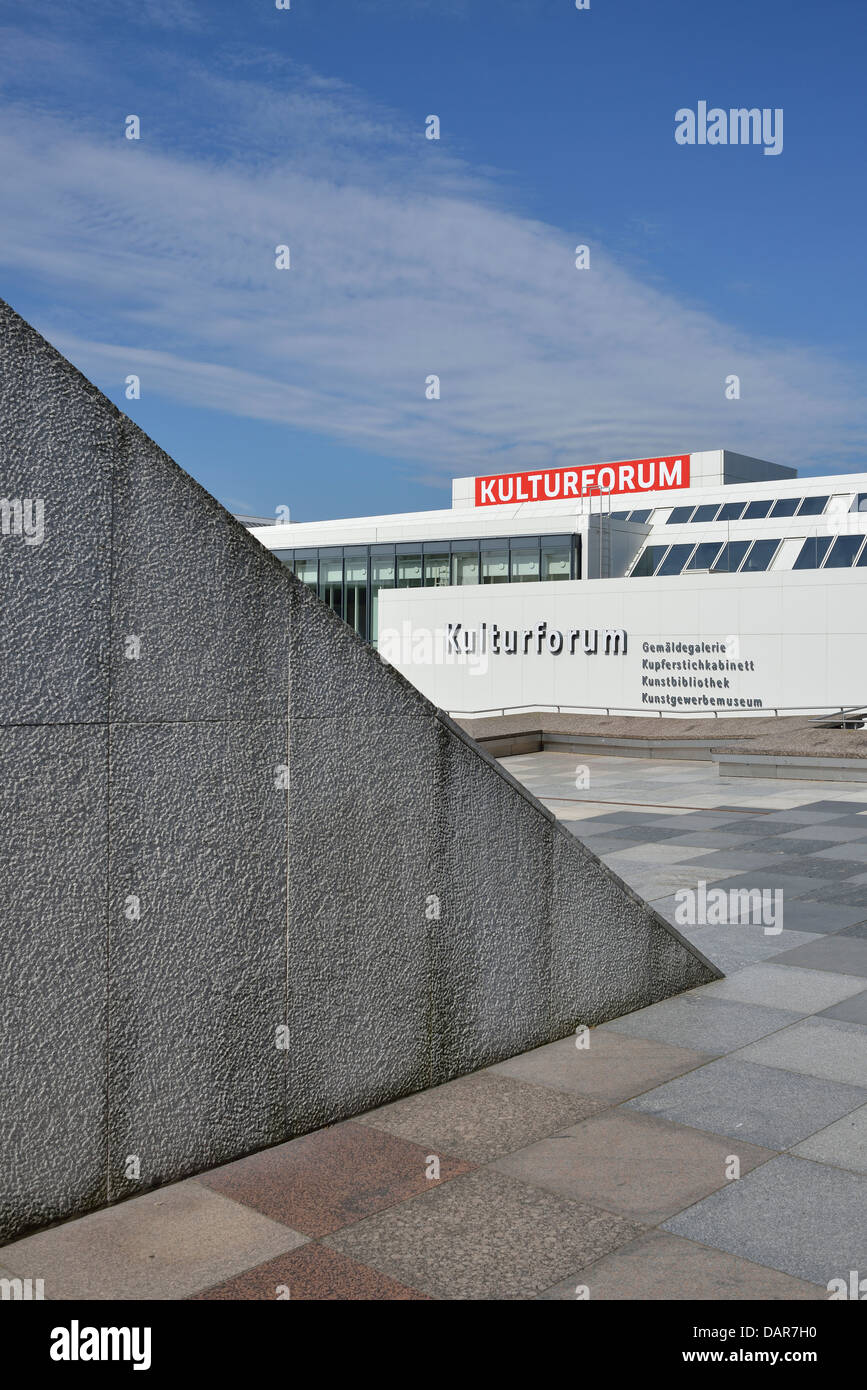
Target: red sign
x=562, y=484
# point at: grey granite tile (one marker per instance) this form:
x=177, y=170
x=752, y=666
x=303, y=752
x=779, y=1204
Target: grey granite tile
x=483, y=1236
x=800, y=851
x=819, y=836
x=707, y=1025
x=842, y=955
x=807, y=1219
x=687, y=822
x=758, y=827
x=653, y=856
x=852, y=822
x=858, y=931
x=707, y=840
x=658, y=880
x=762, y=1104
x=606, y=1065
x=785, y=987
x=599, y=844
x=814, y=1046
x=482, y=1116
x=809, y=915
x=662, y=1267
x=636, y=1164
x=843, y=1143
x=593, y=825
x=725, y=862
x=837, y=876
x=851, y=1010
x=841, y=893
x=675, y=878
x=731, y=960
x=790, y=884
x=635, y=835
x=164, y=1245
x=851, y=850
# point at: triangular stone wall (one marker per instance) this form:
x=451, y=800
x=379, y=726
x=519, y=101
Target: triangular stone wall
x=227, y=829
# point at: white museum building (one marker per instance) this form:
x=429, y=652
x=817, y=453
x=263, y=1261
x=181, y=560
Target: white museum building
x=702, y=584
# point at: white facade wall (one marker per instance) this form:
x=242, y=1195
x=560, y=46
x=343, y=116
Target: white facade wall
x=805, y=633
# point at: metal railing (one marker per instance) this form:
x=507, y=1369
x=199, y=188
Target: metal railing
x=763, y=712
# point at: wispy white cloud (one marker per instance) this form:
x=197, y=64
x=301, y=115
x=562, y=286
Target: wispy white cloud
x=159, y=260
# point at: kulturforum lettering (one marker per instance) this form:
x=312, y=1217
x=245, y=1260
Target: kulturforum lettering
x=490, y=638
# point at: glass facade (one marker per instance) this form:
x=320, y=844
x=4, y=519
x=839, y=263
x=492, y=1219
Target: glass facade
x=350, y=579
x=732, y=511
x=755, y=511
x=730, y=557
x=786, y=506
x=707, y=512
x=704, y=555
x=843, y=551
x=648, y=561
x=812, y=552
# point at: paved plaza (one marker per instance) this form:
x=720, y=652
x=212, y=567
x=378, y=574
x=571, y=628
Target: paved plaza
x=713, y=1146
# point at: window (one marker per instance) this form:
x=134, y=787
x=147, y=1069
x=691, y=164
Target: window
x=785, y=506
x=731, y=511
x=286, y=557
x=306, y=567
x=495, y=562
x=707, y=512
x=524, y=553
x=675, y=559
x=843, y=551
x=756, y=510
x=381, y=577
x=640, y=515
x=648, y=561
x=813, y=552
x=556, y=557
x=812, y=506
x=331, y=579
x=760, y=555
x=859, y=502
x=679, y=516
x=618, y=516
x=356, y=590
x=437, y=567
x=408, y=567
x=704, y=556
x=730, y=557
x=465, y=562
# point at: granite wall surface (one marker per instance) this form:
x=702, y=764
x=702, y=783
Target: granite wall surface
x=252, y=882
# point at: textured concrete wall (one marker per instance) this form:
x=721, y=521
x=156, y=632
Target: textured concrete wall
x=261, y=907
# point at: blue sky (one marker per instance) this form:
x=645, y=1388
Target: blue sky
x=456, y=257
